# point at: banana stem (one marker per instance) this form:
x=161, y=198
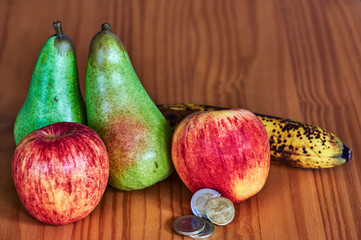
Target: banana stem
x=58, y=30
x=349, y=155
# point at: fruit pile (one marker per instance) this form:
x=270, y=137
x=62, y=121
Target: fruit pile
x=68, y=150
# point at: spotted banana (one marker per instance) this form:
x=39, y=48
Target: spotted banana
x=292, y=143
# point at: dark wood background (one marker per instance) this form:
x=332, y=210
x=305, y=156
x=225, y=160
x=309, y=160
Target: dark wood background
x=298, y=59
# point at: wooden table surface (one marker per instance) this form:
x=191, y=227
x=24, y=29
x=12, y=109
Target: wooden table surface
x=299, y=59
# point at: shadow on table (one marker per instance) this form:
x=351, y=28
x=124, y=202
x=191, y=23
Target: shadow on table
x=11, y=210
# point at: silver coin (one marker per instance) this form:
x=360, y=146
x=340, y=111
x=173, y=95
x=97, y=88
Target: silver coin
x=207, y=231
x=188, y=225
x=199, y=200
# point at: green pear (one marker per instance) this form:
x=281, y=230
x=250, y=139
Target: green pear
x=134, y=131
x=54, y=94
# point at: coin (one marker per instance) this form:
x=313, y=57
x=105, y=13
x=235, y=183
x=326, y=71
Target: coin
x=220, y=211
x=207, y=231
x=188, y=225
x=199, y=200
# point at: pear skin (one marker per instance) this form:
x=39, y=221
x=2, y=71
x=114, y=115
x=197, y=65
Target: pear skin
x=54, y=94
x=135, y=133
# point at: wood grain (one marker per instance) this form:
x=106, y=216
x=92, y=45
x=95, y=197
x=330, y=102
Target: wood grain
x=295, y=59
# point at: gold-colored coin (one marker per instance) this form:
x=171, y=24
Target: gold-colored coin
x=220, y=211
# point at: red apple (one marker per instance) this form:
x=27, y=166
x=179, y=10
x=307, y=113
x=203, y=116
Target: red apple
x=227, y=151
x=60, y=172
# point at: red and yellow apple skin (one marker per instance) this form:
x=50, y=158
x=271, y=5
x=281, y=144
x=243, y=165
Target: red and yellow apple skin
x=227, y=151
x=60, y=172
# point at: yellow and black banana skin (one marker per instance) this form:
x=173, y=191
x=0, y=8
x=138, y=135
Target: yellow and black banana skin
x=292, y=143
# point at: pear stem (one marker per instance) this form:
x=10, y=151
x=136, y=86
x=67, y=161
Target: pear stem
x=58, y=30
x=106, y=27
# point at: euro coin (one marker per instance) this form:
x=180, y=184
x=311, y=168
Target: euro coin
x=199, y=200
x=220, y=211
x=207, y=231
x=188, y=225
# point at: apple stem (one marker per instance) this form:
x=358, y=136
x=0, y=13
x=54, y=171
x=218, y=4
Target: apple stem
x=106, y=27
x=58, y=30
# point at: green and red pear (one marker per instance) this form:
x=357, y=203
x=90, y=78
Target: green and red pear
x=227, y=151
x=119, y=109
